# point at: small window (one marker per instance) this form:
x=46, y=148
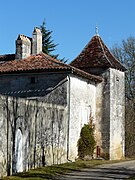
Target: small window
x=117, y=78
x=32, y=80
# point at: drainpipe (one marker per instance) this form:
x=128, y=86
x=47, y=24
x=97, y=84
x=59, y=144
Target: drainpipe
x=68, y=129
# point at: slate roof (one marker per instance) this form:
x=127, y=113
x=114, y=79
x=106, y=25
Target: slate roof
x=41, y=63
x=96, y=54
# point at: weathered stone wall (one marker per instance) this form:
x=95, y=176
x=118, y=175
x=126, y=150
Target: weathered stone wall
x=51, y=86
x=99, y=114
x=82, y=107
x=44, y=133
x=50, y=125
x=110, y=118
x=3, y=140
x=102, y=126
x=117, y=114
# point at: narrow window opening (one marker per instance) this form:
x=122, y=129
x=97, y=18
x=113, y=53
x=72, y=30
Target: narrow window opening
x=117, y=78
x=32, y=80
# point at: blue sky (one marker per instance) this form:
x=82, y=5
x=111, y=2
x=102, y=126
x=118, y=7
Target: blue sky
x=73, y=22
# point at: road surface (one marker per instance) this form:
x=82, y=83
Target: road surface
x=121, y=170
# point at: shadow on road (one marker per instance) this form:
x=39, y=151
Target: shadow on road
x=99, y=173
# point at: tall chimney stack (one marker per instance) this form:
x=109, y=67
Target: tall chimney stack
x=36, y=41
x=23, y=47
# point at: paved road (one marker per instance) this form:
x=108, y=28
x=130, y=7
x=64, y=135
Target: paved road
x=118, y=171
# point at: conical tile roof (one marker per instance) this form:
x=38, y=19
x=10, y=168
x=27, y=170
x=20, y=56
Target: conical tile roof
x=96, y=54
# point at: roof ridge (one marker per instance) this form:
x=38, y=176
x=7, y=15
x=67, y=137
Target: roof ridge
x=103, y=49
x=110, y=54
x=85, y=47
x=53, y=59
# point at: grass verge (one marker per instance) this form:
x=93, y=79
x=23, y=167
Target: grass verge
x=53, y=172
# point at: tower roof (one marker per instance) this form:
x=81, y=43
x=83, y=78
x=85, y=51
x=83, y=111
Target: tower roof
x=96, y=54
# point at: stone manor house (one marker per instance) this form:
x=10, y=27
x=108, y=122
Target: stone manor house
x=44, y=103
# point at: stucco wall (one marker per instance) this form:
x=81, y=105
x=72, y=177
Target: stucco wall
x=44, y=133
x=82, y=106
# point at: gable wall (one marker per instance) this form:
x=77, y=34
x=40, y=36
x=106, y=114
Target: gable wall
x=82, y=106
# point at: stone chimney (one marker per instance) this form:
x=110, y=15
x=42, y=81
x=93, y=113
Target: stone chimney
x=36, y=41
x=23, y=47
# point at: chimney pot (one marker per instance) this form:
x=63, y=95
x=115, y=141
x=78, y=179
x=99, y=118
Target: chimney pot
x=36, y=41
x=23, y=47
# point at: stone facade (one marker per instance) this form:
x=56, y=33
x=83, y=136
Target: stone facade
x=117, y=114
x=54, y=117
x=43, y=129
x=44, y=103
x=31, y=85
x=110, y=113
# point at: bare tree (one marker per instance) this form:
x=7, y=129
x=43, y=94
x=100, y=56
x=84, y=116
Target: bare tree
x=126, y=54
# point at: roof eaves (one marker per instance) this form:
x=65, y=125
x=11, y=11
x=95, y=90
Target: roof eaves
x=103, y=50
x=35, y=70
x=85, y=74
x=122, y=67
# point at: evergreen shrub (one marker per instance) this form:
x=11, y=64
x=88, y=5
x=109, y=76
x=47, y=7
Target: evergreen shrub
x=86, y=143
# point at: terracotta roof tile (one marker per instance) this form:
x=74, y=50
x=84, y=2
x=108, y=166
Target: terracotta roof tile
x=42, y=62
x=96, y=54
